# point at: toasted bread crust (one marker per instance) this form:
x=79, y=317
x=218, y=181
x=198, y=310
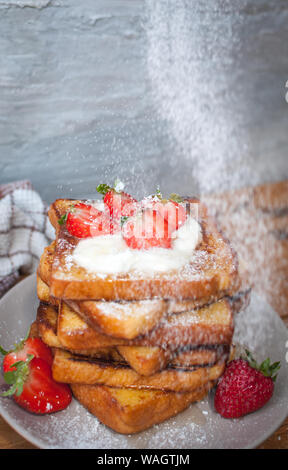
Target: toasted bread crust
x=147, y=361
x=46, y=322
x=131, y=411
x=43, y=292
x=118, y=319
x=141, y=289
x=144, y=360
x=70, y=369
x=211, y=325
x=95, y=339
x=45, y=263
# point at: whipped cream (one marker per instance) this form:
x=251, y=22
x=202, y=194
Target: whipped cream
x=109, y=254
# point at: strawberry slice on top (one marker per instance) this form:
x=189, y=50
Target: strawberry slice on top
x=84, y=221
x=146, y=230
x=119, y=203
x=170, y=209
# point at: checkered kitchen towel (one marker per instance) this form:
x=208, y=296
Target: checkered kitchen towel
x=24, y=231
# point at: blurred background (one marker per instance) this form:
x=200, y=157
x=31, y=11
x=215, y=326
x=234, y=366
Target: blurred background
x=188, y=95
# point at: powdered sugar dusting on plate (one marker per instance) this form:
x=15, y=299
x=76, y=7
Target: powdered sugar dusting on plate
x=259, y=327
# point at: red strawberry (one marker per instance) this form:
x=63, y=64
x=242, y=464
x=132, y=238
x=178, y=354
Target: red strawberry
x=120, y=204
x=33, y=387
x=84, y=220
x=172, y=211
x=245, y=387
x=175, y=214
x=146, y=230
x=34, y=346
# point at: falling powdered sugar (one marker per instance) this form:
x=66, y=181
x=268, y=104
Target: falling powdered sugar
x=191, y=52
x=197, y=427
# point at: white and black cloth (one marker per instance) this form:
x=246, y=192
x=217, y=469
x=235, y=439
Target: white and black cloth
x=25, y=230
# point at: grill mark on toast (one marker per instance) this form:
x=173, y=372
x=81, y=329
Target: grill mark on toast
x=106, y=363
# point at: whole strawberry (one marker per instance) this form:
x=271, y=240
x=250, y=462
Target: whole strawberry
x=28, y=370
x=245, y=386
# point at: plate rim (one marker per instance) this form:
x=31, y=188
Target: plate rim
x=41, y=444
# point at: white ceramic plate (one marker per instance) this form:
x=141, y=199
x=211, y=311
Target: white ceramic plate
x=259, y=328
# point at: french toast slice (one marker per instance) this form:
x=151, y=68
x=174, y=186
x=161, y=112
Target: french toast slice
x=120, y=319
x=211, y=325
x=128, y=411
x=43, y=293
x=144, y=360
x=46, y=321
x=213, y=269
x=69, y=368
x=58, y=208
x=149, y=360
x=127, y=320
x=45, y=264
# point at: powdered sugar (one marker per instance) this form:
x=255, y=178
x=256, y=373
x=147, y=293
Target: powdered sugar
x=191, y=51
x=197, y=427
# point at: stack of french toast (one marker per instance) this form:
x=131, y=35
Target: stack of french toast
x=138, y=346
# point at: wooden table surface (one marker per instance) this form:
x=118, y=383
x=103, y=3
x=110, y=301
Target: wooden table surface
x=259, y=216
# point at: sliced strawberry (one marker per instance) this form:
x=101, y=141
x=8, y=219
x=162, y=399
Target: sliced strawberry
x=34, y=346
x=120, y=204
x=172, y=211
x=115, y=225
x=101, y=226
x=146, y=230
x=85, y=221
x=34, y=389
x=175, y=215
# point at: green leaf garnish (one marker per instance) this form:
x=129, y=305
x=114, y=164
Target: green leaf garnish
x=123, y=219
x=63, y=219
x=3, y=351
x=175, y=197
x=158, y=192
x=103, y=188
x=265, y=367
x=251, y=359
x=16, y=378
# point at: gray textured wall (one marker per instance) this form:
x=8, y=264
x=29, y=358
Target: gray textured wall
x=149, y=91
